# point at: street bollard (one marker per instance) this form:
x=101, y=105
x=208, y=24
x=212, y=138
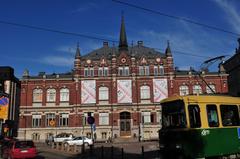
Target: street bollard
x=83, y=149
x=112, y=152
x=68, y=148
x=142, y=152
x=122, y=154
x=102, y=153
x=53, y=145
x=57, y=145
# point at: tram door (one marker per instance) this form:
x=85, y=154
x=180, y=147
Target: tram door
x=125, y=124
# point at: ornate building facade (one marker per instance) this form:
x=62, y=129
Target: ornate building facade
x=121, y=87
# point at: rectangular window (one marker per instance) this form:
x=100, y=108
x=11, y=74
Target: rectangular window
x=36, y=120
x=161, y=70
x=50, y=120
x=86, y=115
x=120, y=71
x=158, y=117
x=155, y=70
x=141, y=70
x=146, y=70
x=63, y=119
x=105, y=71
x=126, y=71
x=85, y=72
x=103, y=118
x=92, y=72
x=230, y=115
x=100, y=71
x=212, y=116
x=194, y=116
x=146, y=117
x=173, y=114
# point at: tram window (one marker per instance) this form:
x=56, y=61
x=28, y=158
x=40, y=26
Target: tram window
x=212, y=116
x=194, y=116
x=173, y=115
x=229, y=115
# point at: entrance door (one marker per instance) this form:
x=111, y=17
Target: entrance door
x=125, y=124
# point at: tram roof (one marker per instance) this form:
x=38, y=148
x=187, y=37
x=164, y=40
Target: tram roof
x=204, y=98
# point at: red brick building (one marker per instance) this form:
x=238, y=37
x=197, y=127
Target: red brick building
x=121, y=87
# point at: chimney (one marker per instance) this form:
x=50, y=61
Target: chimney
x=140, y=43
x=105, y=44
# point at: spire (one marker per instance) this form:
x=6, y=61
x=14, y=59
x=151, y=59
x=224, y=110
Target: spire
x=123, y=37
x=168, y=51
x=77, y=55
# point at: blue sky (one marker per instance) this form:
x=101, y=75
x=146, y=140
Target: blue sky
x=24, y=48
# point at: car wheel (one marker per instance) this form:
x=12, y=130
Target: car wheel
x=86, y=144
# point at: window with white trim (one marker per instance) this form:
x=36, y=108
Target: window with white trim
x=209, y=91
x=63, y=119
x=37, y=95
x=36, y=120
x=145, y=92
x=103, y=118
x=64, y=95
x=123, y=71
x=51, y=95
x=143, y=70
x=103, y=71
x=103, y=93
x=183, y=90
x=50, y=120
x=197, y=89
x=89, y=72
x=158, y=70
x=146, y=117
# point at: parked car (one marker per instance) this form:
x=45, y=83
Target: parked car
x=63, y=137
x=79, y=141
x=19, y=149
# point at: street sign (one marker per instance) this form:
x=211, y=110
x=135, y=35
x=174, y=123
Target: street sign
x=90, y=120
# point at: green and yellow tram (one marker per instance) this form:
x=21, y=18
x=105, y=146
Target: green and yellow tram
x=200, y=126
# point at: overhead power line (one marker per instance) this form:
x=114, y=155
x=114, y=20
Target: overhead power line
x=84, y=36
x=55, y=31
x=178, y=18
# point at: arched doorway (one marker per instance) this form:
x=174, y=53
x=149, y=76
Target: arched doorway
x=125, y=124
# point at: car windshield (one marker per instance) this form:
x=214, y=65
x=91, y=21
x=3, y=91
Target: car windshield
x=24, y=144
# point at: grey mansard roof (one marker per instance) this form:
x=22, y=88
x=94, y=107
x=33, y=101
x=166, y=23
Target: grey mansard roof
x=138, y=51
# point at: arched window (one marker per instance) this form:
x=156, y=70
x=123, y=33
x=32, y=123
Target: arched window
x=51, y=95
x=209, y=91
x=197, y=89
x=64, y=95
x=37, y=95
x=183, y=90
x=145, y=92
x=161, y=70
x=103, y=93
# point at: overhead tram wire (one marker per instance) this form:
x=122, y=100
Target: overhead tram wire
x=55, y=31
x=81, y=35
x=178, y=18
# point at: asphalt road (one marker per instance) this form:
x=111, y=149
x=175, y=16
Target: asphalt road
x=135, y=150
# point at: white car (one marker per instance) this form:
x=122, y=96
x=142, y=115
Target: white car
x=79, y=141
x=63, y=137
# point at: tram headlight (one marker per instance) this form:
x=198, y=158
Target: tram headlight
x=178, y=146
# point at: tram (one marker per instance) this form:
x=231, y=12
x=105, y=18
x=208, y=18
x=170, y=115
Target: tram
x=200, y=126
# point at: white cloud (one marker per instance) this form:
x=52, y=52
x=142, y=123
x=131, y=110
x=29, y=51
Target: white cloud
x=85, y=7
x=232, y=13
x=58, y=61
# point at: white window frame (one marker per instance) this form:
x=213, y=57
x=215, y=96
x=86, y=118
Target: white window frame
x=144, y=92
x=64, y=95
x=37, y=95
x=49, y=117
x=183, y=90
x=63, y=119
x=197, y=89
x=208, y=91
x=146, y=117
x=36, y=120
x=103, y=118
x=51, y=95
x=103, y=93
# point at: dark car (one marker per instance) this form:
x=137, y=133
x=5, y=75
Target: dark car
x=19, y=149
